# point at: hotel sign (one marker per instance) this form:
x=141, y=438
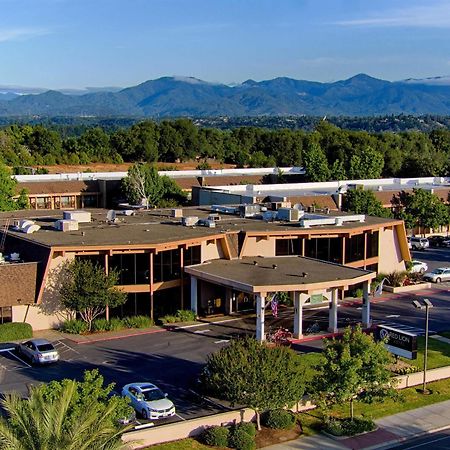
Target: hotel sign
x=398, y=342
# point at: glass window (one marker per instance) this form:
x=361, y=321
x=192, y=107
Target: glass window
x=89, y=201
x=5, y=314
x=372, y=244
x=326, y=249
x=192, y=255
x=354, y=248
x=136, y=305
x=286, y=247
x=166, y=265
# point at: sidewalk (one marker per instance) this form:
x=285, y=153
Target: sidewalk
x=392, y=431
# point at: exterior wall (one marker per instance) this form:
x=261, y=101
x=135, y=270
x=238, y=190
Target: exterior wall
x=390, y=255
x=21, y=281
x=47, y=314
x=257, y=246
x=211, y=251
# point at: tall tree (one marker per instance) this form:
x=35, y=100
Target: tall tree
x=354, y=369
x=88, y=290
x=316, y=164
x=7, y=190
x=253, y=374
x=361, y=201
x=366, y=164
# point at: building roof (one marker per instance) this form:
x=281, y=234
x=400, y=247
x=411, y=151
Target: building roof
x=58, y=187
x=156, y=227
x=281, y=273
x=20, y=279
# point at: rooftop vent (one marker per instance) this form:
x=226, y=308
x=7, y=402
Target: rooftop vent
x=66, y=225
x=189, y=221
x=31, y=228
x=79, y=216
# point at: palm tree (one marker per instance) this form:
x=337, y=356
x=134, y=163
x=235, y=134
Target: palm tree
x=37, y=424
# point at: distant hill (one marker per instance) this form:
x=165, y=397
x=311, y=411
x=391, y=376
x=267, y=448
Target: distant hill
x=360, y=95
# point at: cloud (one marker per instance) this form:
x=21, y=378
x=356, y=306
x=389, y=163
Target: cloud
x=20, y=34
x=431, y=16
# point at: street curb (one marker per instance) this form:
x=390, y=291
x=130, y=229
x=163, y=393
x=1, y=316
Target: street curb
x=112, y=338
x=389, y=444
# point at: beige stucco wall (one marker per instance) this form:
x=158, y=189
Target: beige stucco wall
x=256, y=246
x=390, y=256
x=47, y=314
x=211, y=250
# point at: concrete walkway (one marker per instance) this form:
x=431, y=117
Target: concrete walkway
x=392, y=430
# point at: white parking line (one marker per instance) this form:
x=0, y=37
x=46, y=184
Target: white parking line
x=20, y=359
x=222, y=341
x=180, y=417
x=201, y=331
x=9, y=349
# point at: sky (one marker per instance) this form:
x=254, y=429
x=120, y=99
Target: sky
x=59, y=44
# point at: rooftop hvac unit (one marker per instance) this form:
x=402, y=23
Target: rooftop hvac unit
x=189, y=221
x=249, y=210
x=288, y=214
x=214, y=217
x=22, y=223
x=207, y=223
x=29, y=229
x=66, y=225
x=224, y=209
x=79, y=216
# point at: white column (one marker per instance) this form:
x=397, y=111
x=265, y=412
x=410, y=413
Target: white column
x=366, y=305
x=228, y=301
x=332, y=316
x=260, y=302
x=298, y=316
x=194, y=294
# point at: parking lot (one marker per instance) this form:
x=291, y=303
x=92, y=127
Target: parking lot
x=173, y=359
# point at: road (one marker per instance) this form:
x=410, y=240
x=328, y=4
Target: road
x=173, y=359
x=436, y=441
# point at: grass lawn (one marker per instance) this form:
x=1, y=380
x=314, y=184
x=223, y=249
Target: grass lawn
x=438, y=353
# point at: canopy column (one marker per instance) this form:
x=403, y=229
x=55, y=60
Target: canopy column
x=194, y=295
x=260, y=316
x=332, y=315
x=366, y=305
x=298, y=315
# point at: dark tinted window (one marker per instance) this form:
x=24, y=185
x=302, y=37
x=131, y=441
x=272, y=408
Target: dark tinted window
x=45, y=348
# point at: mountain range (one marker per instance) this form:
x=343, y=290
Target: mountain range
x=361, y=95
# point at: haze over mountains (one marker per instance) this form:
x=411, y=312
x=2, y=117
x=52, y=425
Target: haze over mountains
x=360, y=95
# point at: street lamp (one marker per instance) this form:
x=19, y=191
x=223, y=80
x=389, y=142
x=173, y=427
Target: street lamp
x=426, y=307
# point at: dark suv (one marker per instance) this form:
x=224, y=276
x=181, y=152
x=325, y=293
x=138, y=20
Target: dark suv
x=439, y=241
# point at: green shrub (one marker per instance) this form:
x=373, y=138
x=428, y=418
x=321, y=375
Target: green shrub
x=248, y=427
x=14, y=331
x=395, y=279
x=349, y=427
x=279, y=419
x=168, y=319
x=406, y=370
x=358, y=293
x=240, y=439
x=185, y=315
x=74, y=326
x=216, y=436
x=116, y=324
x=100, y=325
x=137, y=322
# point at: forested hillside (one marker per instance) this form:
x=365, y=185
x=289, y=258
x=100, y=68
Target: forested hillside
x=327, y=152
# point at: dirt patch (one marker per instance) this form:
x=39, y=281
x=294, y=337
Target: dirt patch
x=268, y=436
x=400, y=366
x=102, y=167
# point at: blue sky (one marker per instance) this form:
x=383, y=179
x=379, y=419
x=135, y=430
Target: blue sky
x=79, y=43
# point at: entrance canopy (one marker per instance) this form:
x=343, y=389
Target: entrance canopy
x=260, y=275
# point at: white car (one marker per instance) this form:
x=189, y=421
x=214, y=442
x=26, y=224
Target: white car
x=418, y=266
x=38, y=351
x=438, y=275
x=148, y=400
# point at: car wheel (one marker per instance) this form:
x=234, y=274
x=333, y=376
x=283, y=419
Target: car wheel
x=438, y=280
x=144, y=414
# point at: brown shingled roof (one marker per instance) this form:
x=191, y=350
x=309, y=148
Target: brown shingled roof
x=58, y=187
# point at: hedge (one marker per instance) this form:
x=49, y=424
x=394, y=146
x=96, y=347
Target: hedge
x=14, y=331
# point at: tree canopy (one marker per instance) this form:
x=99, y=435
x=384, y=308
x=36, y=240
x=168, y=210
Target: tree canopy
x=8, y=191
x=354, y=369
x=65, y=415
x=361, y=201
x=88, y=290
x=253, y=374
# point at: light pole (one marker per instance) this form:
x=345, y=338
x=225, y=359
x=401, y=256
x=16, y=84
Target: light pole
x=426, y=307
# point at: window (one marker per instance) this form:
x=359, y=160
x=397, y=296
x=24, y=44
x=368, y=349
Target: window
x=286, y=247
x=372, y=244
x=89, y=201
x=192, y=255
x=354, y=248
x=5, y=314
x=326, y=249
x=133, y=268
x=166, y=266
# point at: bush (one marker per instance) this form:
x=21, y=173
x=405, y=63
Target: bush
x=406, y=370
x=395, y=279
x=137, y=322
x=185, y=315
x=74, y=326
x=116, y=324
x=168, y=319
x=279, y=419
x=100, y=325
x=349, y=427
x=248, y=427
x=216, y=436
x=240, y=439
x=14, y=331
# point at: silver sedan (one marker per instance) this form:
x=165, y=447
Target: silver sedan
x=38, y=351
x=438, y=275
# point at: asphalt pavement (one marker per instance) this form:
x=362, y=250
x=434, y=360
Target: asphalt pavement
x=437, y=441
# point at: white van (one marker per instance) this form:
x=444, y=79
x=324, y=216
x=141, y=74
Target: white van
x=418, y=243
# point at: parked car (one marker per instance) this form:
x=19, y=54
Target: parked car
x=439, y=241
x=418, y=266
x=148, y=400
x=438, y=275
x=418, y=243
x=38, y=351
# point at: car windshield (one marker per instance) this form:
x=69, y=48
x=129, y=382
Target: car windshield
x=438, y=271
x=153, y=394
x=45, y=348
